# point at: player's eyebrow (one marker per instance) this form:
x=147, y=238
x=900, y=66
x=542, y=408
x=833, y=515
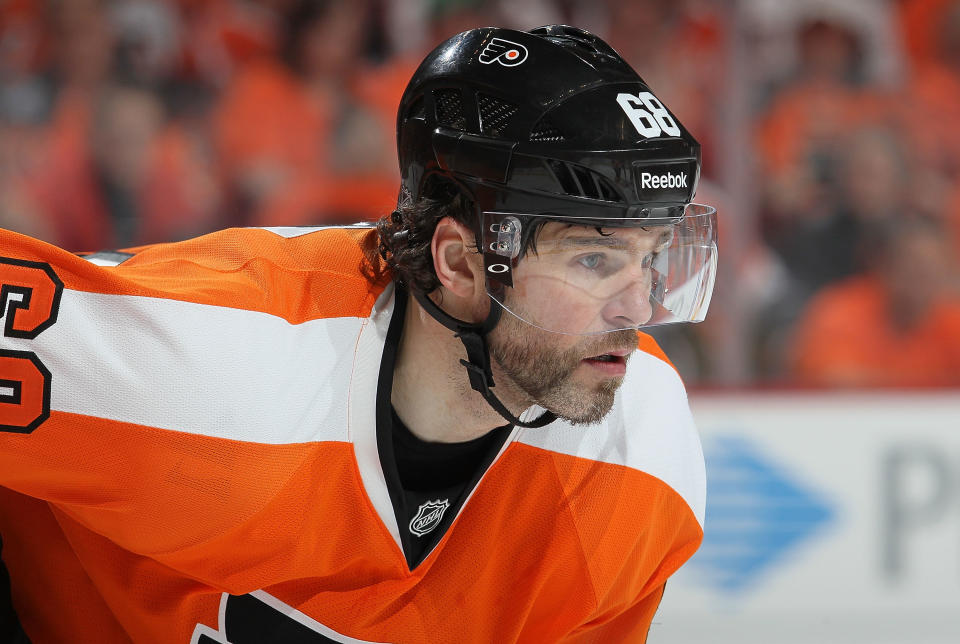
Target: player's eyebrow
x=618, y=243
x=577, y=242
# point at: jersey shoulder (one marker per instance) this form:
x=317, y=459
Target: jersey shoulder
x=298, y=274
x=649, y=346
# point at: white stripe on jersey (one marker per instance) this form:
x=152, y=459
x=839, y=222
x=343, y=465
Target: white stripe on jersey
x=203, y=369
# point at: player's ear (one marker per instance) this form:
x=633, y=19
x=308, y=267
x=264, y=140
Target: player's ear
x=458, y=265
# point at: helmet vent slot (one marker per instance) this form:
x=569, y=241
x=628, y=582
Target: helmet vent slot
x=545, y=132
x=494, y=113
x=588, y=47
x=607, y=191
x=568, y=183
x=449, y=106
x=578, y=181
x=588, y=188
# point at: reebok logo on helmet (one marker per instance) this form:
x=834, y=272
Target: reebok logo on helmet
x=672, y=182
x=666, y=180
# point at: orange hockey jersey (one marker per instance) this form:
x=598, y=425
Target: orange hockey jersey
x=188, y=454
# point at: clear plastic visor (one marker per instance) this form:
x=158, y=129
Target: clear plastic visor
x=591, y=279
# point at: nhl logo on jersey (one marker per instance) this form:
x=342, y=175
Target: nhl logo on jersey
x=428, y=517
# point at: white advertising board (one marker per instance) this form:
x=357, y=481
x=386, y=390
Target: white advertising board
x=831, y=518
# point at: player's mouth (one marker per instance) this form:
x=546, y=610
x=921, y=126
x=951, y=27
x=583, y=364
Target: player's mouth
x=613, y=363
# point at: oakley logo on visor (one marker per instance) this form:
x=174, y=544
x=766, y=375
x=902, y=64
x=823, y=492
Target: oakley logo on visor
x=505, y=52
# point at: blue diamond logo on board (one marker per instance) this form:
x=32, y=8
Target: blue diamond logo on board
x=757, y=514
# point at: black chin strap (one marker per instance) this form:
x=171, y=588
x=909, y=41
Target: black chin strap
x=477, y=364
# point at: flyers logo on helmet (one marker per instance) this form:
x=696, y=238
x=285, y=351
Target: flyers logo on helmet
x=505, y=52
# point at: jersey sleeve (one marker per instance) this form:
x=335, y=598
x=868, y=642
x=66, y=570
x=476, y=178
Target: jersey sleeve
x=124, y=389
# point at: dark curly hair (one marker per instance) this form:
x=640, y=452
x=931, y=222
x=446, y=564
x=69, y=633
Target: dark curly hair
x=406, y=234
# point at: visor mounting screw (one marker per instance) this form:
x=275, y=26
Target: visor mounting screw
x=507, y=240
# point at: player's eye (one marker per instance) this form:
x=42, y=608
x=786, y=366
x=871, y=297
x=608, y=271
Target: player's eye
x=593, y=261
x=600, y=265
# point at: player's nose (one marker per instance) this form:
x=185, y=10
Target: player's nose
x=630, y=307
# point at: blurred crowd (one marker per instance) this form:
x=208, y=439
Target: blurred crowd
x=830, y=132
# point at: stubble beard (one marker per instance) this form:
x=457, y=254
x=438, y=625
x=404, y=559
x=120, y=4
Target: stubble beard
x=545, y=375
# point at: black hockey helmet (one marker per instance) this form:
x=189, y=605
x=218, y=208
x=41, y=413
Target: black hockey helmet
x=547, y=120
x=550, y=123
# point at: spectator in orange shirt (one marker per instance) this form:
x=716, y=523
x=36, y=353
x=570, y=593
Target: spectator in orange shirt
x=822, y=100
x=897, y=325
x=918, y=21
x=822, y=241
x=296, y=143
x=26, y=100
x=128, y=185
x=929, y=110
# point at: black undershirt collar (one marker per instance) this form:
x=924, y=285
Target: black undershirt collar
x=428, y=482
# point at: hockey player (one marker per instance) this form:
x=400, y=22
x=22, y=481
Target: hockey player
x=444, y=429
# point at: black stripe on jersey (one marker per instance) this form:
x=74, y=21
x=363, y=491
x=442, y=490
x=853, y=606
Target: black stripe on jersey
x=247, y=620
